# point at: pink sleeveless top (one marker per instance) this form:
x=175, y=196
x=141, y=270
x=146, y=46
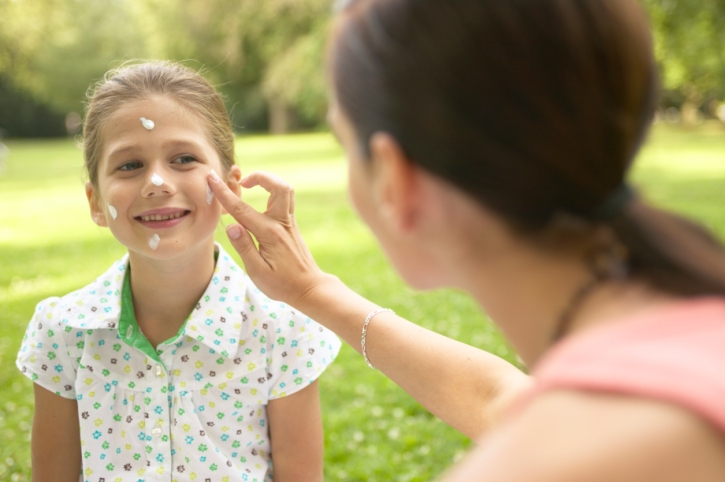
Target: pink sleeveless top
x=675, y=354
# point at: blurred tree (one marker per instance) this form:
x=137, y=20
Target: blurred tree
x=689, y=39
x=24, y=30
x=50, y=50
x=265, y=56
x=296, y=79
x=23, y=116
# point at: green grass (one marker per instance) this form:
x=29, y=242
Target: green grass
x=374, y=431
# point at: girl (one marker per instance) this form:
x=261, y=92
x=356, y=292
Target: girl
x=488, y=144
x=172, y=365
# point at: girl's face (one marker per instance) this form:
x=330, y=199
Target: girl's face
x=152, y=183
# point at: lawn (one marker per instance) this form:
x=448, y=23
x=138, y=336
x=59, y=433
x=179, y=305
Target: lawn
x=374, y=431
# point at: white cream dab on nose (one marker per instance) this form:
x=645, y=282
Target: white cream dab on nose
x=157, y=180
x=209, y=194
x=112, y=210
x=147, y=124
x=154, y=241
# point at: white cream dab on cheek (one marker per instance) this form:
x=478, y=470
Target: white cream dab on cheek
x=154, y=241
x=112, y=210
x=209, y=194
x=157, y=180
x=147, y=124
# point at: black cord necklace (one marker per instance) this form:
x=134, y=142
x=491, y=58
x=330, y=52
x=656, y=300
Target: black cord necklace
x=567, y=316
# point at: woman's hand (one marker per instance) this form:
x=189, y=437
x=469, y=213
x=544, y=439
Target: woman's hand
x=282, y=266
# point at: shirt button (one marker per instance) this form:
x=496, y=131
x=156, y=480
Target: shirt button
x=159, y=371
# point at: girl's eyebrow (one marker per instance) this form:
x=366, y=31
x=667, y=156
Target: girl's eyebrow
x=181, y=143
x=120, y=150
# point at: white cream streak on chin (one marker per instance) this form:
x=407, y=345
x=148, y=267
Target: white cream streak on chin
x=112, y=210
x=154, y=241
x=209, y=194
x=157, y=180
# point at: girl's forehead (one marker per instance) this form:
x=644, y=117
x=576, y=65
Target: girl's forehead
x=148, y=122
x=157, y=107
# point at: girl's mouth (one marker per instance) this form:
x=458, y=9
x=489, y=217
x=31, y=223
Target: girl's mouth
x=162, y=219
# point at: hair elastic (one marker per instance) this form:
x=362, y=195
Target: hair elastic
x=614, y=203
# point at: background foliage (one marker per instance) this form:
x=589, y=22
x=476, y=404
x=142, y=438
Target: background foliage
x=266, y=56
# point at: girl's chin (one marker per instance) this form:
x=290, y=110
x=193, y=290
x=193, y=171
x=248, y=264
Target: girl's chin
x=162, y=248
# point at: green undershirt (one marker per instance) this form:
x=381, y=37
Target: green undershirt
x=128, y=328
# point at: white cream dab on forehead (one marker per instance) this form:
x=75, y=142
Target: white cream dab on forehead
x=209, y=194
x=154, y=241
x=147, y=124
x=157, y=180
x=112, y=210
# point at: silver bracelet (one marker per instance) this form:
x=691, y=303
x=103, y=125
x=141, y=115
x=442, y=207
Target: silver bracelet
x=365, y=331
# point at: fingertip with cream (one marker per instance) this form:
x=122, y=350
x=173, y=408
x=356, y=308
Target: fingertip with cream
x=213, y=176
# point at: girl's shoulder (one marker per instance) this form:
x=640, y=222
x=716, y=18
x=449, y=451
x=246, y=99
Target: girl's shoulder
x=96, y=305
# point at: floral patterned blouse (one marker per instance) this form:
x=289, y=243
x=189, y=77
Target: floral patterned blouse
x=194, y=408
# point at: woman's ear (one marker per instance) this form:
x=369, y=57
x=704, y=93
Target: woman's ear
x=98, y=214
x=396, y=186
x=232, y=179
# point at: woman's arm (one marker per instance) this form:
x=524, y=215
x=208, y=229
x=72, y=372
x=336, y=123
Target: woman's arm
x=466, y=387
x=570, y=436
x=56, y=439
x=295, y=427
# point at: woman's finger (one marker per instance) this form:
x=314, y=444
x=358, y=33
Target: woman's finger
x=243, y=244
x=280, y=204
x=245, y=214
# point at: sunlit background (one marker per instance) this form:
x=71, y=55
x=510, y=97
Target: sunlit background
x=267, y=58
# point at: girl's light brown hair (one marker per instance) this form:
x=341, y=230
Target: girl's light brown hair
x=151, y=79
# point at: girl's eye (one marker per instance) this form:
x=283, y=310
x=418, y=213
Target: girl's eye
x=185, y=160
x=129, y=166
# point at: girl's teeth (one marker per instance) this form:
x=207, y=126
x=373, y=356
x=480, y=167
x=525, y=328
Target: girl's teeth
x=159, y=217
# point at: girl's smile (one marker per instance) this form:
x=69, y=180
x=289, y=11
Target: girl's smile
x=162, y=218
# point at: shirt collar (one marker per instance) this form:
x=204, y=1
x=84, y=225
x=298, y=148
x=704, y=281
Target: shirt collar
x=216, y=321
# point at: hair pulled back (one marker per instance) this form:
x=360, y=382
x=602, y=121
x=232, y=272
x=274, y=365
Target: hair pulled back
x=535, y=108
x=150, y=79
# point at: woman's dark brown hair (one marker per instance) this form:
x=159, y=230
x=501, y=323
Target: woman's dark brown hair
x=535, y=108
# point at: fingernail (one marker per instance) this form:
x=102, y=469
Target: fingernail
x=214, y=176
x=234, y=231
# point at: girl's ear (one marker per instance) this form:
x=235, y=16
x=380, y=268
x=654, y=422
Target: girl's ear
x=233, y=178
x=98, y=214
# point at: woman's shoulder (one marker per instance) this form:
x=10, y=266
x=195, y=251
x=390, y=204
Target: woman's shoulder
x=671, y=354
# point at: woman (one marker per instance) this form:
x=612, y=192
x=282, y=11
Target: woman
x=488, y=143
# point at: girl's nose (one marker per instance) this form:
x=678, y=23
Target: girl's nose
x=157, y=185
